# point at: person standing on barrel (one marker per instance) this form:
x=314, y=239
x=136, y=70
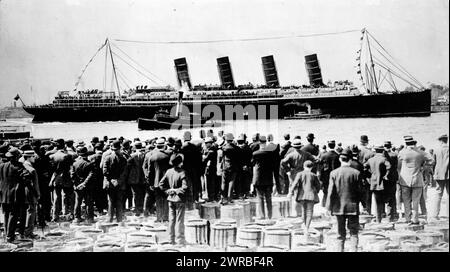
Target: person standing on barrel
x=328, y=162
x=344, y=193
x=441, y=174
x=175, y=184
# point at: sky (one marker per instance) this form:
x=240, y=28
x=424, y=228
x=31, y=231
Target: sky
x=45, y=44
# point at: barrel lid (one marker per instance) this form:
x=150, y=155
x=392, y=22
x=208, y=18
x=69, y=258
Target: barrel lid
x=223, y=226
x=250, y=229
x=196, y=222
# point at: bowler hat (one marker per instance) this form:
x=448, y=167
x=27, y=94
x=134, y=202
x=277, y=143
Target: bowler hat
x=115, y=145
x=229, y=137
x=170, y=141
x=60, y=143
x=364, y=139
x=13, y=152
x=355, y=149
x=310, y=136
x=160, y=142
x=209, y=140
x=29, y=153
x=95, y=140
x=409, y=140
x=332, y=142
x=346, y=153
x=138, y=145
x=296, y=143
x=187, y=136
x=387, y=144
x=442, y=137
x=178, y=142
x=262, y=139
x=82, y=150
x=176, y=160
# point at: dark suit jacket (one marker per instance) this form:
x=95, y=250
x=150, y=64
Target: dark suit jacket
x=114, y=168
x=230, y=160
x=62, y=162
x=210, y=160
x=379, y=168
x=263, y=168
x=134, y=173
x=344, y=191
x=13, y=179
x=83, y=172
x=157, y=165
x=311, y=148
x=328, y=162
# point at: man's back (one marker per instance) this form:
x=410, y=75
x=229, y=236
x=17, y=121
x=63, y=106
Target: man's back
x=344, y=191
x=9, y=181
x=263, y=167
x=411, y=161
x=441, y=157
x=159, y=163
x=230, y=158
x=378, y=167
x=311, y=149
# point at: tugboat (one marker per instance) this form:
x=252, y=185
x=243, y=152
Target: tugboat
x=163, y=120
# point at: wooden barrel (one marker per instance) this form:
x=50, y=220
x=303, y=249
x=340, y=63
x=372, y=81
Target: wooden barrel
x=247, y=211
x=233, y=211
x=112, y=237
x=365, y=218
x=210, y=211
x=85, y=244
x=277, y=208
x=161, y=233
x=109, y=246
x=223, y=235
x=141, y=236
x=226, y=221
x=298, y=237
x=413, y=245
x=307, y=247
x=331, y=242
x=124, y=230
x=239, y=248
x=271, y=249
x=442, y=245
x=435, y=249
x=249, y=236
x=7, y=247
x=141, y=247
x=430, y=237
x=167, y=247
x=45, y=243
x=192, y=214
x=198, y=248
x=408, y=227
x=439, y=228
x=60, y=234
x=265, y=222
x=367, y=237
x=23, y=243
x=323, y=227
x=65, y=225
x=254, y=203
x=398, y=236
x=105, y=226
x=278, y=237
x=377, y=245
x=196, y=231
x=92, y=233
x=135, y=225
x=379, y=226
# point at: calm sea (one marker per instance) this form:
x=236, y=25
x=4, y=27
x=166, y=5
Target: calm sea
x=424, y=129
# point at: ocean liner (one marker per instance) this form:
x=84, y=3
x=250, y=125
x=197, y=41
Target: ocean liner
x=377, y=96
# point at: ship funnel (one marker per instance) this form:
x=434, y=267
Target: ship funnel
x=225, y=73
x=313, y=69
x=270, y=71
x=181, y=68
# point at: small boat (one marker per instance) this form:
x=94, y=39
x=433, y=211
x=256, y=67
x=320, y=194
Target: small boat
x=163, y=120
x=310, y=114
x=10, y=132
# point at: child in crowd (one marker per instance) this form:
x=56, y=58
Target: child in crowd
x=307, y=185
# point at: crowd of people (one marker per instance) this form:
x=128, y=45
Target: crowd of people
x=50, y=181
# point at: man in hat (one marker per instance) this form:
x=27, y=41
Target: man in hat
x=174, y=184
x=230, y=168
x=275, y=149
x=391, y=186
x=83, y=177
x=99, y=196
x=192, y=166
x=32, y=195
x=263, y=171
x=135, y=178
x=379, y=168
x=113, y=168
x=255, y=142
x=328, y=162
x=365, y=153
x=293, y=164
x=310, y=147
x=209, y=158
x=441, y=174
x=285, y=146
x=61, y=181
x=343, y=197
x=244, y=177
x=13, y=178
x=128, y=194
x=155, y=166
x=411, y=162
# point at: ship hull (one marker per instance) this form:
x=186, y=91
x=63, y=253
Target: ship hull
x=382, y=105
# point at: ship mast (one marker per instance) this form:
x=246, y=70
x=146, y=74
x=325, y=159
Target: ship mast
x=372, y=66
x=113, y=66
